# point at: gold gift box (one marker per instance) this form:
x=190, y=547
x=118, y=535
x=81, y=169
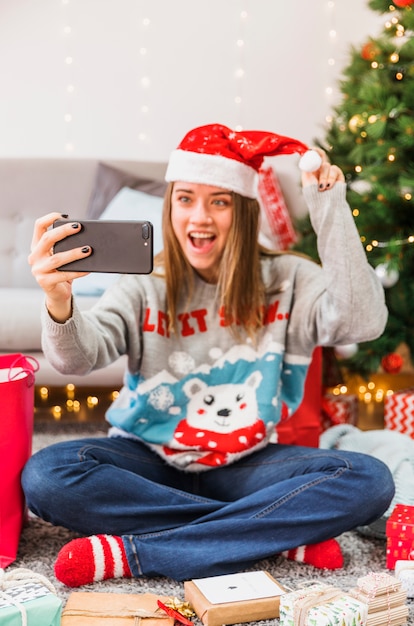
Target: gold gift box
x=85, y=608
x=235, y=612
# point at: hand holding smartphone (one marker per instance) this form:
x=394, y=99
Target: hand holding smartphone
x=124, y=247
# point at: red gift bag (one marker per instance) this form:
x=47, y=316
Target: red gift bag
x=303, y=428
x=17, y=377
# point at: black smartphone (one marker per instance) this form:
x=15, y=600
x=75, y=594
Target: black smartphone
x=120, y=247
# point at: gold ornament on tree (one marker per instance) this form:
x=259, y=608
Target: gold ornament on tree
x=356, y=122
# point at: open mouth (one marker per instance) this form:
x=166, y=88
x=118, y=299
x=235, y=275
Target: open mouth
x=201, y=240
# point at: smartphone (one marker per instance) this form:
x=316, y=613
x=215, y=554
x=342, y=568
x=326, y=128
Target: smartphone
x=123, y=247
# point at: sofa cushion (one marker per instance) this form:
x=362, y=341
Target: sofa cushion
x=110, y=180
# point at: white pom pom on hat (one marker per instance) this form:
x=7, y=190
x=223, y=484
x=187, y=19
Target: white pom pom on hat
x=216, y=155
x=310, y=161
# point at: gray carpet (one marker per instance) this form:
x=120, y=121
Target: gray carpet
x=40, y=543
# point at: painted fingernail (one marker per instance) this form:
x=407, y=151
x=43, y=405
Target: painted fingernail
x=328, y=184
x=75, y=225
x=85, y=249
x=65, y=215
x=321, y=186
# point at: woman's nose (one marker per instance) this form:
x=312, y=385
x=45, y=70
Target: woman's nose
x=201, y=213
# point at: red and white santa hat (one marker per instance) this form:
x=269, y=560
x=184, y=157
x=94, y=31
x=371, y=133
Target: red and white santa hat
x=216, y=155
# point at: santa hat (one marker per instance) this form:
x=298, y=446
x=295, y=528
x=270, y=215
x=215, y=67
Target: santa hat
x=216, y=155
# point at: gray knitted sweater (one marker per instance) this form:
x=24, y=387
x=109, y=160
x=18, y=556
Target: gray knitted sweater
x=200, y=398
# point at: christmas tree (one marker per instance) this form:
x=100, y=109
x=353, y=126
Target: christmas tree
x=371, y=138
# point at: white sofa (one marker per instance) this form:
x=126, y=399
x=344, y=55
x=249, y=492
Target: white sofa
x=30, y=188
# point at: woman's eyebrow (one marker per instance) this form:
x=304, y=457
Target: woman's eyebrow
x=181, y=189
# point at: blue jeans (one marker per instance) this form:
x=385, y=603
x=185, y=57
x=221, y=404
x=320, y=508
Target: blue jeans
x=189, y=525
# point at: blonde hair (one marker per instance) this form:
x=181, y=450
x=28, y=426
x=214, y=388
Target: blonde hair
x=240, y=289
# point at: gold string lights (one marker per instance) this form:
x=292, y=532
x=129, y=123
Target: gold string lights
x=70, y=88
x=331, y=71
x=240, y=71
x=369, y=247
x=62, y=401
x=145, y=80
x=366, y=392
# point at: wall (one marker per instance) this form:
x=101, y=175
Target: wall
x=94, y=78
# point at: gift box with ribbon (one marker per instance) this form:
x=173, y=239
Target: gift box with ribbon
x=28, y=598
x=85, y=608
x=234, y=598
x=321, y=604
x=399, y=411
x=339, y=409
x=400, y=534
x=385, y=598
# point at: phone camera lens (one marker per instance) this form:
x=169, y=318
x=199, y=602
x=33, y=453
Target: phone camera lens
x=145, y=231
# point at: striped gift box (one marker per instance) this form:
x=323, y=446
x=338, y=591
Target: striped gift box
x=399, y=411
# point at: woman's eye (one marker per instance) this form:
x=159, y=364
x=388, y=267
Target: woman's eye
x=184, y=199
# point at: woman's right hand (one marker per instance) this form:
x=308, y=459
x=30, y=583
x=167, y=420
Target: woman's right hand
x=56, y=284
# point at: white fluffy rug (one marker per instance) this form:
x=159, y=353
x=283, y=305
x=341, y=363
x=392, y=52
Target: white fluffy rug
x=40, y=543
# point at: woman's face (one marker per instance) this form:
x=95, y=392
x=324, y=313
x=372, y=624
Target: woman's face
x=201, y=217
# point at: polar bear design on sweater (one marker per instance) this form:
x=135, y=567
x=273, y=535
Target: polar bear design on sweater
x=222, y=420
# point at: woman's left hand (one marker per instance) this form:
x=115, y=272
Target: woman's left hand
x=326, y=176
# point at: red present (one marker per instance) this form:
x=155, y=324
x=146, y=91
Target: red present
x=400, y=534
x=339, y=409
x=398, y=550
x=399, y=411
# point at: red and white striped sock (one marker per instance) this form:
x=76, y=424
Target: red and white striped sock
x=90, y=559
x=324, y=555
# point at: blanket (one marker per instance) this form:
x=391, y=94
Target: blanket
x=395, y=449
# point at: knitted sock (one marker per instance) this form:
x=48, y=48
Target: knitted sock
x=91, y=559
x=324, y=555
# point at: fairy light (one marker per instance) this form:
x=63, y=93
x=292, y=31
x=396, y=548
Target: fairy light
x=331, y=60
x=145, y=82
x=57, y=412
x=240, y=70
x=70, y=88
x=44, y=393
x=92, y=401
x=70, y=391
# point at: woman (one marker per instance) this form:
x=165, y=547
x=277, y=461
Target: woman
x=219, y=338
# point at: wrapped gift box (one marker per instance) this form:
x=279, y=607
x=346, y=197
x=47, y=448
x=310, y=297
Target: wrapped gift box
x=339, y=409
x=398, y=549
x=404, y=571
x=400, y=534
x=384, y=597
x=399, y=411
x=323, y=605
x=234, y=598
x=38, y=606
x=85, y=608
